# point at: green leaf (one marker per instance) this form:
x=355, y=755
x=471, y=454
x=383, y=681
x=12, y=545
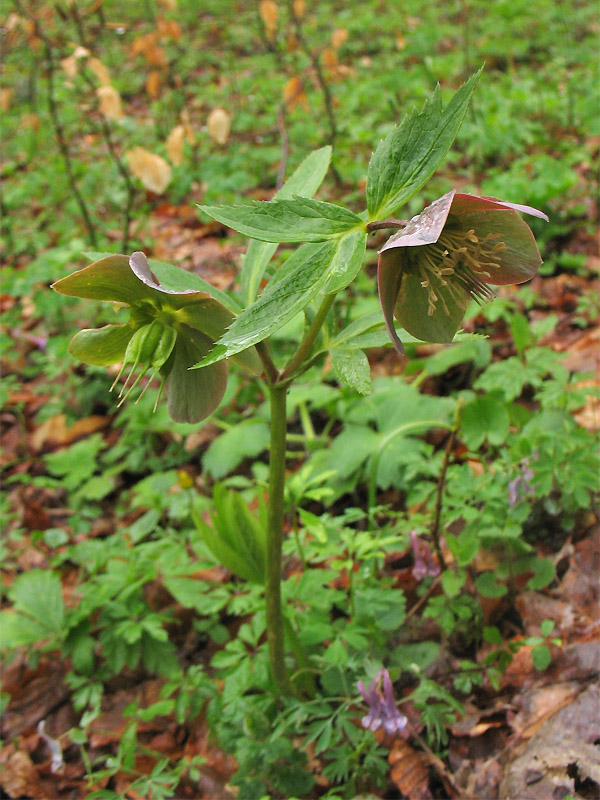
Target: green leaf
x=278, y=304
x=236, y=537
x=227, y=451
x=351, y=368
x=38, y=595
x=411, y=153
x=541, y=657
x=453, y=582
x=297, y=220
x=347, y=261
x=544, y=572
x=546, y=627
x=485, y=416
x=101, y=347
x=304, y=182
x=487, y=587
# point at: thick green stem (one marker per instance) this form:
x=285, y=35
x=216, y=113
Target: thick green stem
x=297, y=359
x=275, y=631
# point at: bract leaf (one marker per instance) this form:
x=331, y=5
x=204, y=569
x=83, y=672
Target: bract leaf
x=410, y=153
x=304, y=182
x=192, y=395
x=351, y=368
x=278, y=303
x=102, y=346
x=347, y=261
x=297, y=220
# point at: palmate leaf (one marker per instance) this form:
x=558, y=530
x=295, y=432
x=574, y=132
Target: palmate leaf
x=304, y=182
x=411, y=152
x=297, y=220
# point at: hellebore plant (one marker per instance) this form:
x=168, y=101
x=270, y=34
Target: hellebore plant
x=182, y=330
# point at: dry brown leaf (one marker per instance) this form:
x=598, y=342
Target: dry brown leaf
x=109, y=101
x=269, y=13
x=409, y=771
x=539, y=704
x=219, y=125
x=168, y=5
x=299, y=8
x=19, y=776
x=153, y=83
x=154, y=54
x=400, y=41
x=293, y=93
x=338, y=38
x=187, y=126
x=169, y=28
x=153, y=171
x=329, y=59
x=100, y=71
x=174, y=145
x=69, y=67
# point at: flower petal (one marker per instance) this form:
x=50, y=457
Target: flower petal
x=389, y=278
x=521, y=259
x=141, y=269
x=102, y=346
x=192, y=395
x=426, y=227
x=412, y=308
x=110, y=278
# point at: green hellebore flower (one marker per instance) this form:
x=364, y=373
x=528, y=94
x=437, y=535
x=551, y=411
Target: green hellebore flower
x=448, y=254
x=167, y=333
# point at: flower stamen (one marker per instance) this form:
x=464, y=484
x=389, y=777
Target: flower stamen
x=466, y=258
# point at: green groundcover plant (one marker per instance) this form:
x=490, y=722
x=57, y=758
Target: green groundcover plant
x=185, y=332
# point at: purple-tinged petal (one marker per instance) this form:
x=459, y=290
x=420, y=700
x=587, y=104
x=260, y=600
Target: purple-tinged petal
x=193, y=395
x=109, y=278
x=534, y=212
x=141, y=269
x=426, y=227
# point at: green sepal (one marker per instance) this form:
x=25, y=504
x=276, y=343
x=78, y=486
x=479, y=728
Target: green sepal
x=102, y=346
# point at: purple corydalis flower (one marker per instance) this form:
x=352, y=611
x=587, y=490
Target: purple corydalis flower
x=425, y=566
x=520, y=487
x=446, y=255
x=382, y=705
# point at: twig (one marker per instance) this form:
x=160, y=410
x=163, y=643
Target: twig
x=123, y=172
x=316, y=64
x=285, y=145
x=57, y=125
x=435, y=528
x=386, y=223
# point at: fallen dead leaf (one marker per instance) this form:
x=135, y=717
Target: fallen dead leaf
x=410, y=770
x=174, y=145
x=54, y=430
x=19, y=776
x=109, y=101
x=152, y=170
x=269, y=13
x=561, y=754
x=100, y=71
x=219, y=125
x=538, y=704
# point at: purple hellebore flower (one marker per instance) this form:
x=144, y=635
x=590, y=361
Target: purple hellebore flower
x=424, y=566
x=446, y=255
x=382, y=706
